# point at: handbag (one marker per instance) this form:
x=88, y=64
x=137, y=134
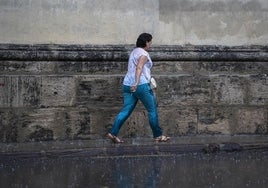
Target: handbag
x=153, y=83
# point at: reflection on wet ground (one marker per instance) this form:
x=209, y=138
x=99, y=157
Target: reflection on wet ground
x=189, y=170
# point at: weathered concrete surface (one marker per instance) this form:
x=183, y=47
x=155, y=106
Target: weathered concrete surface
x=62, y=92
x=172, y=22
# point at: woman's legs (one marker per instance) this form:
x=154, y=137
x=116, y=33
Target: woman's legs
x=145, y=94
x=130, y=102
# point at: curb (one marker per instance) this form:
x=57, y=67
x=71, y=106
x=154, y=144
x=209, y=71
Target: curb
x=135, y=147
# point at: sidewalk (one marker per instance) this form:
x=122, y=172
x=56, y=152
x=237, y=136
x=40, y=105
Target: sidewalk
x=131, y=146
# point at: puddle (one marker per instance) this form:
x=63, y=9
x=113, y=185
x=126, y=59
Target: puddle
x=191, y=170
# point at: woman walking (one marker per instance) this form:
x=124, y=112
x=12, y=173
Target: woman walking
x=136, y=86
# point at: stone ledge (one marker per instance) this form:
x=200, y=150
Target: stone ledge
x=132, y=146
x=56, y=52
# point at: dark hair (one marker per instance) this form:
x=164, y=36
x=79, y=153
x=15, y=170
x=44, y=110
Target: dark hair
x=142, y=39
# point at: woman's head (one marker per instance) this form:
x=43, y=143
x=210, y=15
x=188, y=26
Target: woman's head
x=143, y=40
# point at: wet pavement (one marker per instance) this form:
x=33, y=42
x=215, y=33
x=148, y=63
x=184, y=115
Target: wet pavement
x=192, y=169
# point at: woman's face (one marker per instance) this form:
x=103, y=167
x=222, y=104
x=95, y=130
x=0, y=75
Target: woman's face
x=148, y=45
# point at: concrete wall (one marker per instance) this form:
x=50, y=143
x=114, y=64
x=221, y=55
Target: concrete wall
x=69, y=92
x=217, y=22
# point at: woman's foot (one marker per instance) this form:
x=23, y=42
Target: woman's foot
x=162, y=138
x=115, y=139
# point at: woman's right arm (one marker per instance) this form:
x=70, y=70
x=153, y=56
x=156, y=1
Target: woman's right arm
x=142, y=61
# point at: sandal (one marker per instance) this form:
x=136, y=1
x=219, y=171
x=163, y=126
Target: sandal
x=115, y=139
x=162, y=138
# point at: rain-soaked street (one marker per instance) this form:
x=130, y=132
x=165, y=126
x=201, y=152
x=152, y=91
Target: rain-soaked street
x=188, y=170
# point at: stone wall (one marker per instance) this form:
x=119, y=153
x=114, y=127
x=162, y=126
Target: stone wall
x=70, y=92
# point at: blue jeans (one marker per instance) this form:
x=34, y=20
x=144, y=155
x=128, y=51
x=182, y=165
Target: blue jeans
x=145, y=94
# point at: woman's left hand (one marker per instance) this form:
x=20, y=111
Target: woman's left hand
x=133, y=88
